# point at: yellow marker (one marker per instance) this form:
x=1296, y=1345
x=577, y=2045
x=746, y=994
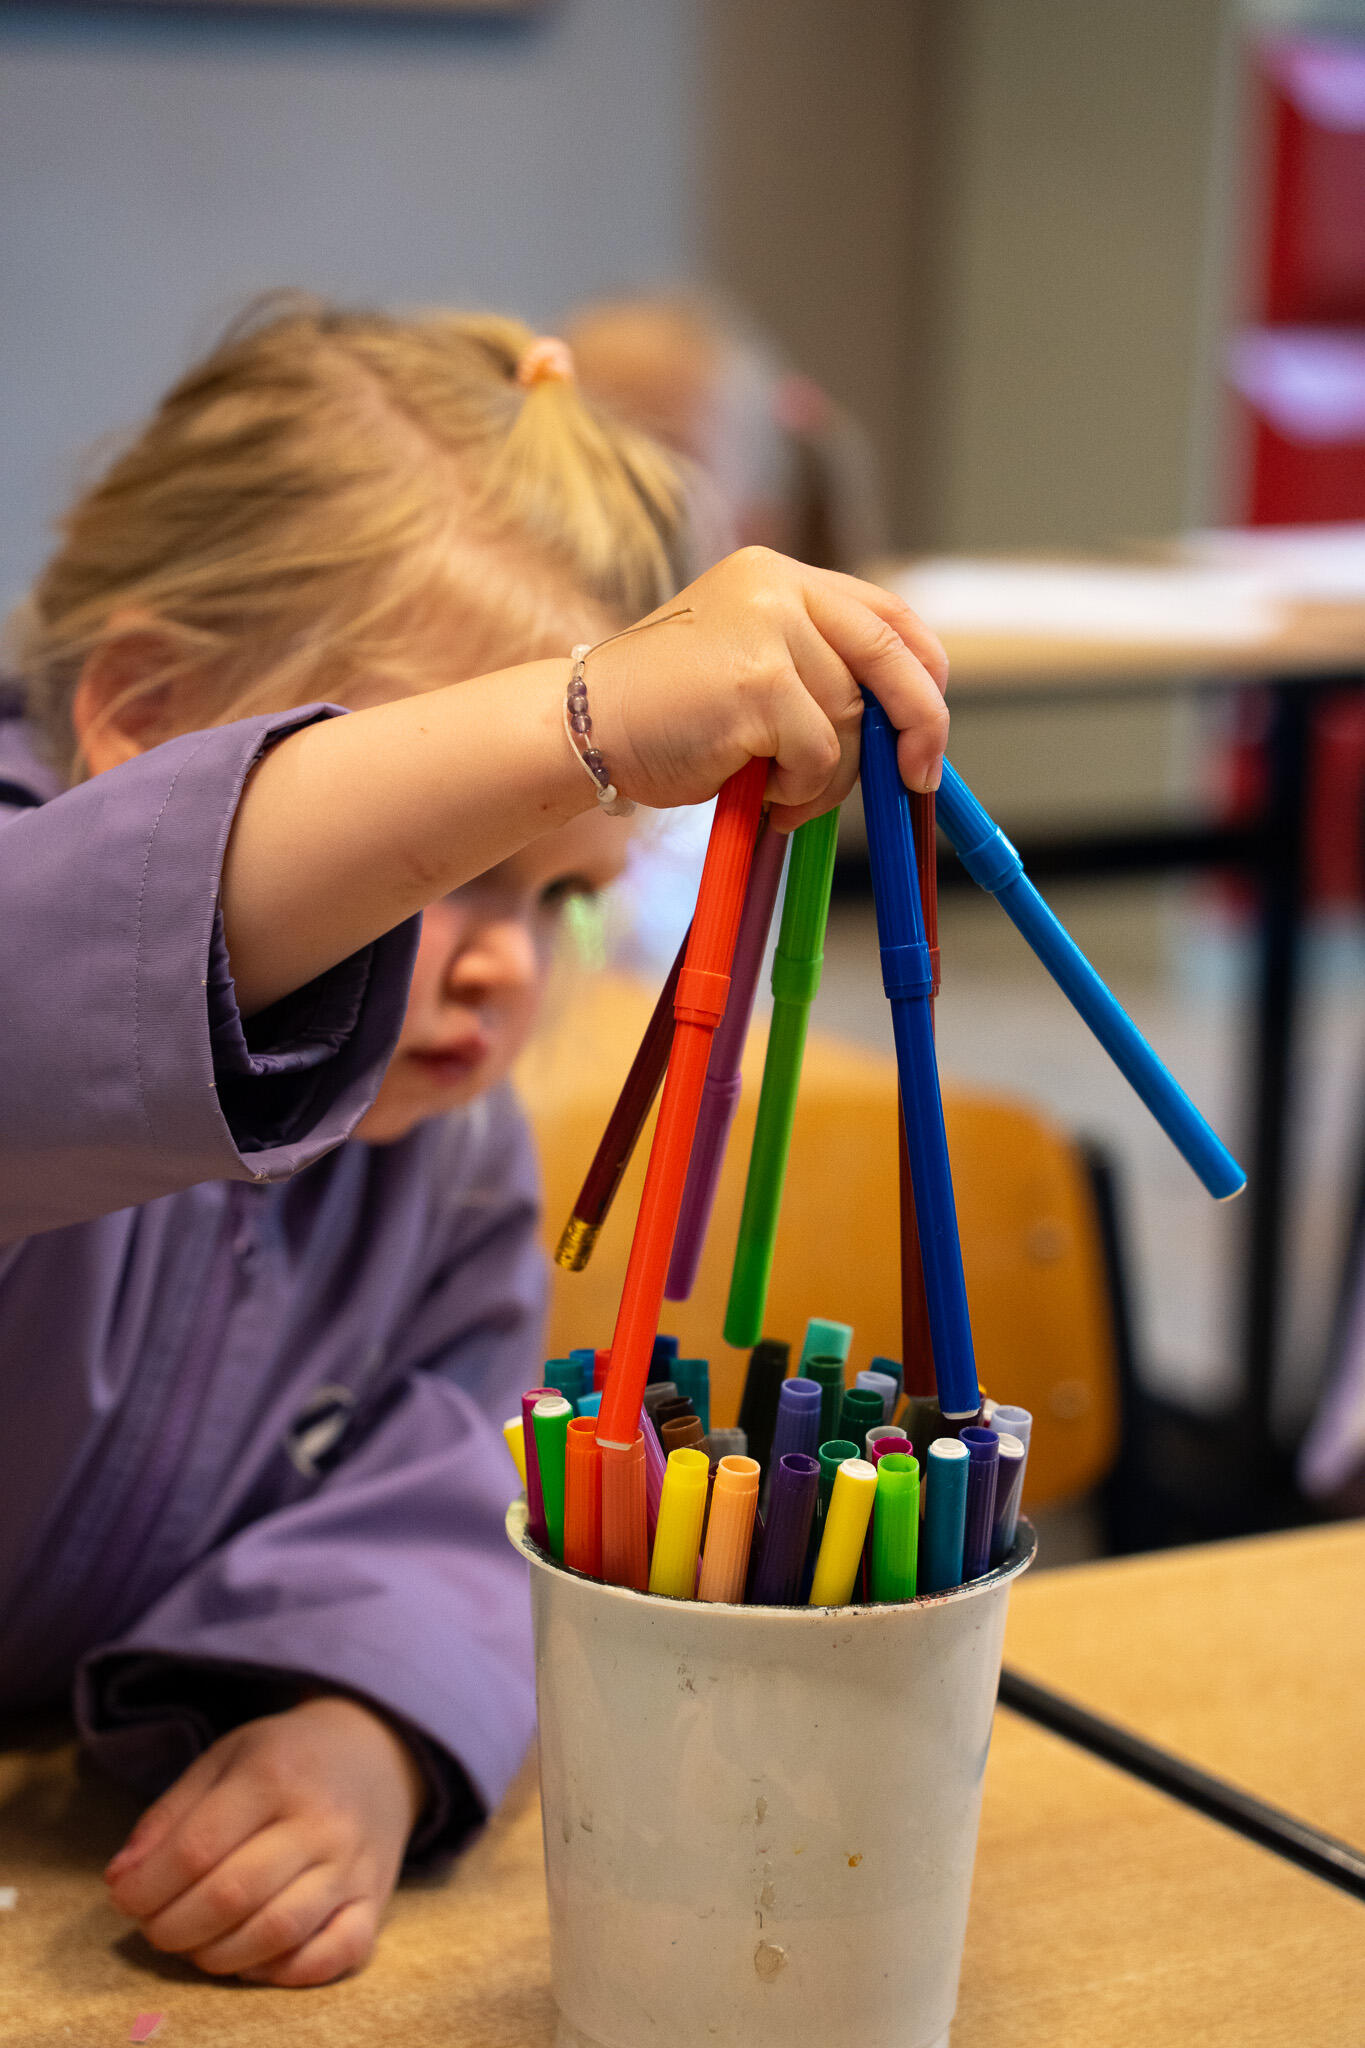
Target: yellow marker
x=514, y=1436
x=841, y=1546
x=682, y=1509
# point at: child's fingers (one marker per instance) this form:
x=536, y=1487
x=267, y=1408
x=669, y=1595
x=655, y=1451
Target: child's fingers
x=225, y=1816
x=907, y=624
x=281, y=1925
x=871, y=645
x=233, y=1893
x=344, y=1944
x=164, y=1813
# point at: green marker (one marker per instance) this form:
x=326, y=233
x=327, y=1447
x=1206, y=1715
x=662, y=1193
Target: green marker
x=895, y=1528
x=831, y=1457
x=797, y=963
x=828, y=1374
x=861, y=1411
x=692, y=1377
x=550, y=1419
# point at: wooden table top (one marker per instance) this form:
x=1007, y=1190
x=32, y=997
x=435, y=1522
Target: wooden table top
x=1247, y=1658
x=1103, y=1915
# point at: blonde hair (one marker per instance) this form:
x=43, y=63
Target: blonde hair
x=342, y=503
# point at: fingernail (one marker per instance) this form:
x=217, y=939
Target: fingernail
x=933, y=777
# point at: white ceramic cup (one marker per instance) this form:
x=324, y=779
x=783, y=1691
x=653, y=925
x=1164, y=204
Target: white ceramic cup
x=760, y=1821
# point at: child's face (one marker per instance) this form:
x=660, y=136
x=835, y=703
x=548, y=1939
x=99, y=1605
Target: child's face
x=481, y=968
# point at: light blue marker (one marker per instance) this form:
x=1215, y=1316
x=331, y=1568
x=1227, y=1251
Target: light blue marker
x=588, y=1404
x=992, y=862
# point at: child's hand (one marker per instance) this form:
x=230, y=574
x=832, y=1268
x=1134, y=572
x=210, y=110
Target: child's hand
x=274, y=1854
x=769, y=663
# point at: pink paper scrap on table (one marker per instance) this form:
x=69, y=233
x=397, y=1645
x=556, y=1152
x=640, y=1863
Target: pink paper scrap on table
x=145, y=2025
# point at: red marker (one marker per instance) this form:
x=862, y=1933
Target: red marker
x=699, y=1006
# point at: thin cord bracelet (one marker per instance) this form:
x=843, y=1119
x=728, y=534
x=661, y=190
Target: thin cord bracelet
x=578, y=719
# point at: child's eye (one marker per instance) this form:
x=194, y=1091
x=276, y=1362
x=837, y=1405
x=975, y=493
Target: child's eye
x=567, y=889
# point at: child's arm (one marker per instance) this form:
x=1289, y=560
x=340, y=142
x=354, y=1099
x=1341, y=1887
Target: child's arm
x=349, y=827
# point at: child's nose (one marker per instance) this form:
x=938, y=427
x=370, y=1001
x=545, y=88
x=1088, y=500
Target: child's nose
x=500, y=954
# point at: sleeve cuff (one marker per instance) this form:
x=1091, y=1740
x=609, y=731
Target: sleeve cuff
x=146, y=1717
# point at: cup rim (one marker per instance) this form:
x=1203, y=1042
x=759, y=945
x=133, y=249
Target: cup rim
x=1020, y=1557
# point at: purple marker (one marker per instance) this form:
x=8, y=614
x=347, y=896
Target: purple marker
x=721, y=1091
x=798, y=1419
x=983, y=1452
x=786, y=1529
x=536, y=1526
x=655, y=1465
x=883, y=1384
x=1008, y=1487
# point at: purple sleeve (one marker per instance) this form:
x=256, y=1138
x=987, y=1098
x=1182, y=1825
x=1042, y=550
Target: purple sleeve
x=127, y=1071
x=393, y=1580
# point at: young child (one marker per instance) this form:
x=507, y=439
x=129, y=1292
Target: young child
x=268, y=1270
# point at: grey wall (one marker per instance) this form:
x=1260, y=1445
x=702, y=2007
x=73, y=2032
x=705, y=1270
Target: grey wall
x=157, y=171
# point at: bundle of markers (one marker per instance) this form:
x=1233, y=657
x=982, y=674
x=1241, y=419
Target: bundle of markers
x=835, y=1504
x=822, y=1500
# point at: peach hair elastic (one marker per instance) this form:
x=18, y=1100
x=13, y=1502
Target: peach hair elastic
x=546, y=360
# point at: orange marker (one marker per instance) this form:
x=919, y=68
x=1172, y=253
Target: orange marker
x=729, y=1531
x=583, y=1497
x=601, y=1361
x=699, y=1006
x=625, y=1533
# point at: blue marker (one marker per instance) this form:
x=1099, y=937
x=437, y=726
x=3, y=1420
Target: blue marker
x=945, y=1515
x=992, y=862
x=588, y=1404
x=907, y=980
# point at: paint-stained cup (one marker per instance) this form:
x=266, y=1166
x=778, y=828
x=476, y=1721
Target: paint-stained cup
x=723, y=1867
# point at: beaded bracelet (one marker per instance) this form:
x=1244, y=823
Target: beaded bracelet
x=578, y=719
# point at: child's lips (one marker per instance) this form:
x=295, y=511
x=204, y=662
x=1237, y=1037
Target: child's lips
x=448, y=1065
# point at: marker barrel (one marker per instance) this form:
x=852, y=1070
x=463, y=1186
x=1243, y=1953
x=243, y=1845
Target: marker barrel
x=514, y=1438
x=720, y=1096
x=726, y=1443
x=654, y=1468
x=845, y=1530
x=828, y=1374
x=625, y=1537
x=535, y=1499
x=786, y=1533
x=825, y=1339
x=881, y=1384
x=859, y=1411
x=703, y=987
x=895, y=1527
x=795, y=979
x=583, y=1498
x=767, y=1369
x=798, y=1419
x=683, y=1433
x=945, y=1510
x=550, y=1418
x=1009, y=1486
x=907, y=978
x=983, y=1466
x=692, y=1376
x=677, y=1540
x=994, y=864
x=729, y=1530
x=881, y=1442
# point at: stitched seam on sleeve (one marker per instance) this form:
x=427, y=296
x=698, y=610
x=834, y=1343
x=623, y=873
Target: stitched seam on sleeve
x=137, y=951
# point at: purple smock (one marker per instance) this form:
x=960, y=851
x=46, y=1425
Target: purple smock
x=253, y=1376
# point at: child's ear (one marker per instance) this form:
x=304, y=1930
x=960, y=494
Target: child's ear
x=118, y=711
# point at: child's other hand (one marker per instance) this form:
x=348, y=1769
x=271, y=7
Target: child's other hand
x=273, y=1856
x=769, y=664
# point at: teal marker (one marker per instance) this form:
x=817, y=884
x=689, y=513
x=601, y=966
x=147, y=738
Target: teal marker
x=588, y=1404
x=550, y=1419
x=826, y=1340
x=692, y=1377
x=895, y=1528
x=945, y=1513
x=797, y=963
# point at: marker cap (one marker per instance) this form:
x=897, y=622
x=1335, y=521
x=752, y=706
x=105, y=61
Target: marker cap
x=583, y=1498
x=673, y=1571
x=730, y=1529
